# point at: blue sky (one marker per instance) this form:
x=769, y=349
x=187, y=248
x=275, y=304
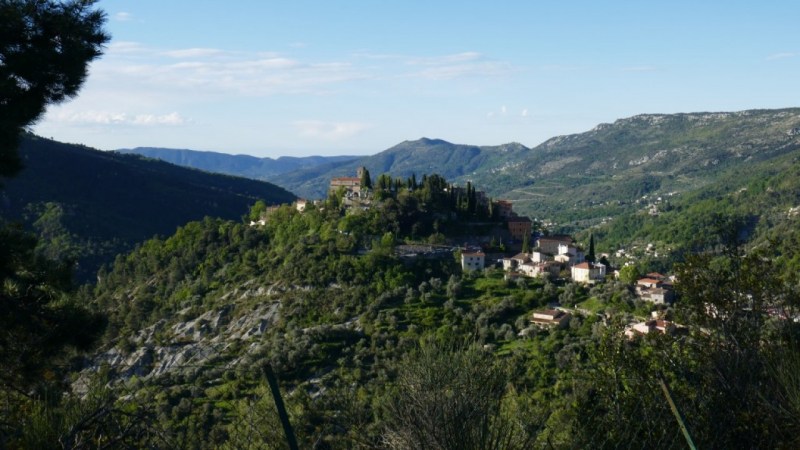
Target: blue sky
x=273, y=78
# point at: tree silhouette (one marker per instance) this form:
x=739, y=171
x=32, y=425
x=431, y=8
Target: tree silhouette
x=45, y=48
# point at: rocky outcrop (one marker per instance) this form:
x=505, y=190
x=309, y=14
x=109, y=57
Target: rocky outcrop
x=186, y=346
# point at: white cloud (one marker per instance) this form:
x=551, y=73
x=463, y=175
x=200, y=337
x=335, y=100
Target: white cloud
x=458, y=65
x=782, y=55
x=446, y=59
x=329, y=131
x=639, y=69
x=524, y=112
x=119, y=48
x=193, y=53
x=218, y=72
x=117, y=118
x=123, y=16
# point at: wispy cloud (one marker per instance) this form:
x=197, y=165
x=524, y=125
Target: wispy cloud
x=218, y=71
x=458, y=65
x=193, y=53
x=783, y=55
x=123, y=16
x=117, y=118
x=644, y=68
x=446, y=59
x=124, y=48
x=329, y=131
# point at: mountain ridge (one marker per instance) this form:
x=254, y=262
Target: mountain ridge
x=107, y=202
x=259, y=168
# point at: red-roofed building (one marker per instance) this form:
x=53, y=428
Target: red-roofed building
x=650, y=326
x=648, y=283
x=351, y=184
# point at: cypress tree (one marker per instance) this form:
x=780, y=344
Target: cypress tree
x=366, y=180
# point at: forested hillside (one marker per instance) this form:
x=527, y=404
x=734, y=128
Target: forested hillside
x=375, y=350
x=91, y=205
x=758, y=204
x=581, y=179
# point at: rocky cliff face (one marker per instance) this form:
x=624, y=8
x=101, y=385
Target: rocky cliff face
x=182, y=346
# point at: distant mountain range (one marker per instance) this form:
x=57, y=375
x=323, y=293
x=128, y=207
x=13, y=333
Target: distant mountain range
x=237, y=165
x=100, y=204
x=575, y=180
x=424, y=156
x=580, y=179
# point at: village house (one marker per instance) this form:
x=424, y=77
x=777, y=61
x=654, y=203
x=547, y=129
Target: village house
x=529, y=269
x=550, y=244
x=505, y=209
x=650, y=326
x=532, y=267
x=647, y=283
x=352, y=185
x=537, y=256
x=659, y=296
x=655, y=288
x=550, y=318
x=587, y=272
x=515, y=261
x=472, y=260
x=519, y=227
x=543, y=269
x=550, y=268
x=569, y=254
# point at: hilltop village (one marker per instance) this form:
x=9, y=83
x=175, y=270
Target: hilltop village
x=540, y=254
x=492, y=235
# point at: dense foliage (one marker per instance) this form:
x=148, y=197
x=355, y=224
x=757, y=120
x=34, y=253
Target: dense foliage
x=366, y=344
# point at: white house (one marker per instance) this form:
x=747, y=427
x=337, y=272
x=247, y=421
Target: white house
x=540, y=256
x=650, y=326
x=587, y=272
x=473, y=260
